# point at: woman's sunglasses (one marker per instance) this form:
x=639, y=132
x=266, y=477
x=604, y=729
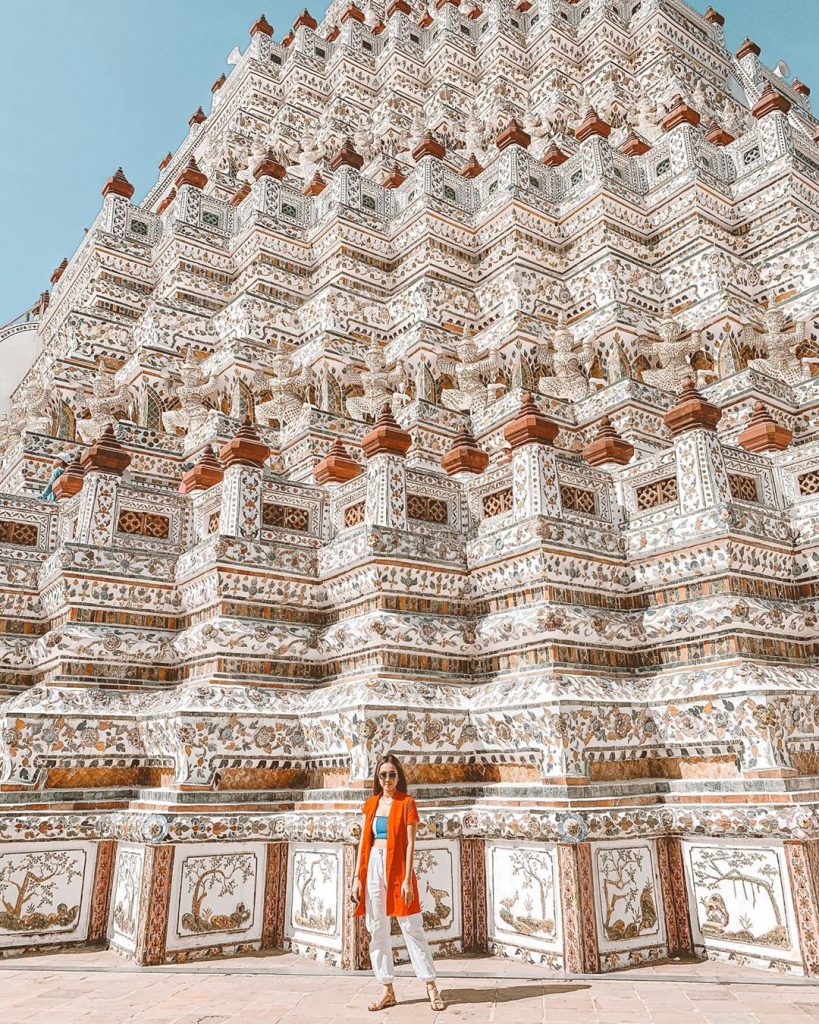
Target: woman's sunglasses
x=388, y=775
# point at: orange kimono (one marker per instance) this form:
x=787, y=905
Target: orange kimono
x=402, y=813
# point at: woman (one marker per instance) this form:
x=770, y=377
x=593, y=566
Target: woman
x=58, y=467
x=384, y=874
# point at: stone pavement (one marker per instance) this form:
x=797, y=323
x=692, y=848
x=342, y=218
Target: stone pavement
x=97, y=987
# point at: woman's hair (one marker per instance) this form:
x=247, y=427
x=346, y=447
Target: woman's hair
x=401, y=786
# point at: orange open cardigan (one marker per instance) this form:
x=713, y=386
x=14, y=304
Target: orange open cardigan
x=402, y=813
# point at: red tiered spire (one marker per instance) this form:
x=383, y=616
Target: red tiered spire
x=471, y=169
x=554, y=156
x=592, y=125
x=241, y=193
x=680, y=113
x=746, y=47
x=268, y=167
x=530, y=426
x=769, y=101
x=513, y=135
x=106, y=455
x=608, y=447
x=314, y=186
x=718, y=136
x=354, y=13
x=347, y=157
x=337, y=466
x=245, y=448
x=394, y=178
x=429, y=146
x=197, y=117
x=763, y=433
x=70, y=481
x=691, y=412
x=306, y=19
x=118, y=185
x=634, y=145
x=261, y=25
x=207, y=472
x=386, y=437
x=58, y=272
x=465, y=455
x=191, y=175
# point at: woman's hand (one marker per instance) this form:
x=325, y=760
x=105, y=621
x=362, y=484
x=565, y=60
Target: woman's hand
x=406, y=891
x=355, y=892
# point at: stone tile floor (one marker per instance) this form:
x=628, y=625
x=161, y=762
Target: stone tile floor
x=97, y=987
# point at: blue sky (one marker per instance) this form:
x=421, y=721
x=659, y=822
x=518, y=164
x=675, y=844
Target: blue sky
x=87, y=85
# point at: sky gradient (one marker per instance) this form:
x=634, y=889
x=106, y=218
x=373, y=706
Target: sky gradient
x=88, y=85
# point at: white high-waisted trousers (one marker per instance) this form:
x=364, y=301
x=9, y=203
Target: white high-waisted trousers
x=378, y=925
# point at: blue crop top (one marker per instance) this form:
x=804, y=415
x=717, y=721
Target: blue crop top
x=380, y=826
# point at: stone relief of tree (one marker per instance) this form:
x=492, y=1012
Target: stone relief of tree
x=125, y=904
x=216, y=877
x=307, y=874
x=536, y=874
x=735, y=872
x=28, y=888
x=619, y=873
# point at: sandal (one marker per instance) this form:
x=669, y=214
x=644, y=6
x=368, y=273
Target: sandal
x=385, y=1002
x=436, y=1002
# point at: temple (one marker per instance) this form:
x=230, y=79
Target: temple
x=452, y=392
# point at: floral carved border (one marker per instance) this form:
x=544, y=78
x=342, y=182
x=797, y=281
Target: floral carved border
x=154, y=905
x=275, y=896
x=803, y=868
x=581, y=954
x=675, y=896
x=473, y=895
x=101, y=892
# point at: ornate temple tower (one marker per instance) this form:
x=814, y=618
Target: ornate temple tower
x=452, y=392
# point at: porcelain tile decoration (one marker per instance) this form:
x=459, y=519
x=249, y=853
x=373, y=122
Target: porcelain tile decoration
x=450, y=392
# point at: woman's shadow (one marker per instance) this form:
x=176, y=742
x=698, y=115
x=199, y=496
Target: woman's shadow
x=507, y=994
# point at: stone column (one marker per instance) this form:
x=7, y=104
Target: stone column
x=702, y=480
x=243, y=458
x=581, y=953
x=385, y=448
x=103, y=464
x=534, y=471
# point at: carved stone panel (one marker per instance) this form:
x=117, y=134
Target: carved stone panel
x=741, y=901
x=524, y=902
x=45, y=893
x=217, y=895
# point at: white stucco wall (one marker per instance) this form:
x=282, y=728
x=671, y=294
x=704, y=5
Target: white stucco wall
x=17, y=354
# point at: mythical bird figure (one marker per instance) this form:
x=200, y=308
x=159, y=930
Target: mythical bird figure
x=781, y=361
x=472, y=394
x=569, y=378
x=674, y=355
x=195, y=391
x=287, y=387
x=107, y=398
x=380, y=385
